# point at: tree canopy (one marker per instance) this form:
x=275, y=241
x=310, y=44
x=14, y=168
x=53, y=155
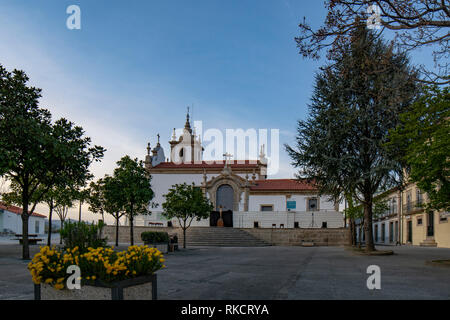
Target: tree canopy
x=133, y=186
x=415, y=23
x=356, y=101
x=35, y=153
x=185, y=203
x=422, y=140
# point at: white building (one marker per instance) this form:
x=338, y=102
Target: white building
x=11, y=221
x=241, y=188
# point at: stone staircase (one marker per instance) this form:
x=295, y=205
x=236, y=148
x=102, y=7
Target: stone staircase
x=220, y=237
x=428, y=242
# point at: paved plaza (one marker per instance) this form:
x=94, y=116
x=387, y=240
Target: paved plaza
x=273, y=273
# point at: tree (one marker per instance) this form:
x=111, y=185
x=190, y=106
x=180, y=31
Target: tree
x=64, y=199
x=423, y=141
x=134, y=189
x=186, y=203
x=35, y=153
x=105, y=196
x=416, y=24
x=356, y=101
x=81, y=195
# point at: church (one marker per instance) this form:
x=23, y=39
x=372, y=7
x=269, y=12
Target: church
x=240, y=190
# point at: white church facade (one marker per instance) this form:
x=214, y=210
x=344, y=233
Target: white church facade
x=240, y=188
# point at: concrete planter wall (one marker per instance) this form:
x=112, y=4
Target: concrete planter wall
x=141, y=288
x=163, y=247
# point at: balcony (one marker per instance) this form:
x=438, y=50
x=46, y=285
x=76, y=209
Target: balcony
x=413, y=207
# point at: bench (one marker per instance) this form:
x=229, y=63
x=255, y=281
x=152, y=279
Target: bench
x=32, y=238
x=159, y=224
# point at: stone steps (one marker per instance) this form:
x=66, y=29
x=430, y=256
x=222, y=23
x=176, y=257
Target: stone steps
x=428, y=242
x=220, y=237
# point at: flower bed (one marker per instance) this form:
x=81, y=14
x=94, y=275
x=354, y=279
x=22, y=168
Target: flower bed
x=100, y=268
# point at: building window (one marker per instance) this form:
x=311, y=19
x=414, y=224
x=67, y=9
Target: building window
x=324, y=225
x=394, y=205
x=255, y=224
x=419, y=197
x=36, y=227
x=267, y=207
x=419, y=221
x=408, y=203
x=296, y=225
x=312, y=204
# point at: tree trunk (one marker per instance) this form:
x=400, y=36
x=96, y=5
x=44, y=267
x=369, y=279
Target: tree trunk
x=49, y=238
x=353, y=227
x=25, y=245
x=117, y=230
x=368, y=201
x=184, y=234
x=25, y=217
x=131, y=226
x=351, y=232
x=79, y=213
x=62, y=225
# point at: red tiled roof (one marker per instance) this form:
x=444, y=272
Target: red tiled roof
x=18, y=210
x=282, y=184
x=243, y=164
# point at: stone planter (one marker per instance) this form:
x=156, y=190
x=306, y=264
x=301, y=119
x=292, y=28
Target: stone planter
x=140, y=288
x=161, y=246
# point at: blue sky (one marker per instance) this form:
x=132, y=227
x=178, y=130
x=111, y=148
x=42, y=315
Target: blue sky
x=134, y=66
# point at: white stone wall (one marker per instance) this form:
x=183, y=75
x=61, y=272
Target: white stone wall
x=13, y=222
x=286, y=219
x=279, y=202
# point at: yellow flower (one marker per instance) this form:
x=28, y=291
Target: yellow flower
x=49, y=280
x=58, y=286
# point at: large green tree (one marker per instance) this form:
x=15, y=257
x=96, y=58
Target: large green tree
x=35, y=153
x=423, y=141
x=356, y=101
x=135, y=190
x=186, y=203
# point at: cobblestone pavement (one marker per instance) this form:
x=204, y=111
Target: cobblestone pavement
x=273, y=273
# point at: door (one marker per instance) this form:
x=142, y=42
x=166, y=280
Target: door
x=391, y=232
x=410, y=231
x=430, y=227
x=224, y=197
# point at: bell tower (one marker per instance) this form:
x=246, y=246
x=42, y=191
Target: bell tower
x=188, y=147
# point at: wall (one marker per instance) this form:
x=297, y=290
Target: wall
x=334, y=219
x=295, y=237
x=13, y=222
x=278, y=237
x=124, y=233
x=279, y=202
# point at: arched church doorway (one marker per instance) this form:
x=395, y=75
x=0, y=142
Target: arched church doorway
x=224, y=200
x=224, y=197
